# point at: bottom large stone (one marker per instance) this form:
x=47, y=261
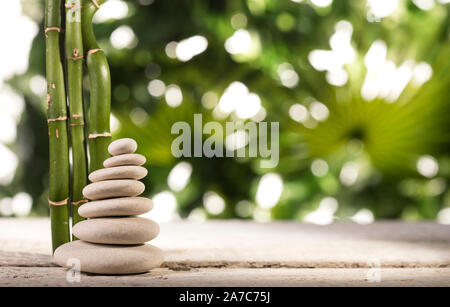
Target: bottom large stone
x=109, y=259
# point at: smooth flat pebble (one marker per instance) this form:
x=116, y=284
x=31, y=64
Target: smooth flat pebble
x=126, y=159
x=123, y=206
x=122, y=146
x=113, y=188
x=109, y=259
x=116, y=230
x=118, y=172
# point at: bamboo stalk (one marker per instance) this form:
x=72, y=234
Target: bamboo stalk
x=100, y=89
x=74, y=54
x=57, y=125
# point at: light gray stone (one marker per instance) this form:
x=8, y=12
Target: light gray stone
x=109, y=259
x=113, y=188
x=125, y=159
x=123, y=206
x=119, y=172
x=116, y=230
x=122, y=146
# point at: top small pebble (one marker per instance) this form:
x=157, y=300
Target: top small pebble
x=122, y=146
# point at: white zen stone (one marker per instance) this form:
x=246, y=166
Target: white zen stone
x=119, y=172
x=125, y=159
x=113, y=188
x=122, y=146
x=109, y=259
x=124, y=206
x=116, y=230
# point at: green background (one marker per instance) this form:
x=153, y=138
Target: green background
x=382, y=140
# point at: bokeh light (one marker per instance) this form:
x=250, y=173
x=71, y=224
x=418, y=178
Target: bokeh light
x=359, y=91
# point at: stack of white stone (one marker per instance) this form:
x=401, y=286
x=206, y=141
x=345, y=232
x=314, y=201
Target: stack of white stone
x=112, y=238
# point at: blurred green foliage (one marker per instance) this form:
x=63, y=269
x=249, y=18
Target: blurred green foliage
x=381, y=141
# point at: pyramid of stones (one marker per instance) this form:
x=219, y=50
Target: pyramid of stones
x=112, y=239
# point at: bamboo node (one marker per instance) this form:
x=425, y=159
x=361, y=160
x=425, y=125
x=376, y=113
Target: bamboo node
x=60, y=118
x=76, y=117
x=74, y=58
x=93, y=51
x=52, y=29
x=63, y=202
x=73, y=6
x=95, y=3
x=76, y=55
x=97, y=135
x=76, y=203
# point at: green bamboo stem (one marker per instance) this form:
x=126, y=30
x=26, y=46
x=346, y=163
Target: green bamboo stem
x=100, y=89
x=57, y=125
x=74, y=54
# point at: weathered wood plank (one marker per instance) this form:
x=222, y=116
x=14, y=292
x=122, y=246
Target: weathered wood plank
x=238, y=277
x=26, y=242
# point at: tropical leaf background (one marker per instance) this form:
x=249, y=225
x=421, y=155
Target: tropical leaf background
x=360, y=89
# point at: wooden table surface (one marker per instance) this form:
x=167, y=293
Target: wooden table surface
x=238, y=253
